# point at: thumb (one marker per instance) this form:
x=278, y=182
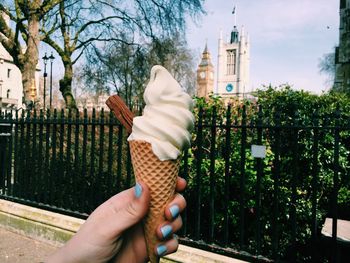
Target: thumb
x=130, y=206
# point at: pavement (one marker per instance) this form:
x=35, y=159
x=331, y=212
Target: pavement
x=15, y=248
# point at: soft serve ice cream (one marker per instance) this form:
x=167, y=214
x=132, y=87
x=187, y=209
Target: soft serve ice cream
x=156, y=141
x=167, y=118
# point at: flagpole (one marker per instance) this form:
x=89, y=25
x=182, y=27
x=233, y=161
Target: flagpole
x=234, y=15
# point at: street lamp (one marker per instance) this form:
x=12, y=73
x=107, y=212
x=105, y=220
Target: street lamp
x=45, y=58
x=51, y=60
x=1, y=81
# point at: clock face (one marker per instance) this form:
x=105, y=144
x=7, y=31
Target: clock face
x=202, y=75
x=229, y=87
x=211, y=75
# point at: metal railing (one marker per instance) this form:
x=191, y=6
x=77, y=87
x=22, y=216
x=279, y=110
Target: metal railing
x=259, y=186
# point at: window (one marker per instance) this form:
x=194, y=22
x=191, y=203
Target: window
x=8, y=94
x=342, y=4
x=231, y=62
x=8, y=73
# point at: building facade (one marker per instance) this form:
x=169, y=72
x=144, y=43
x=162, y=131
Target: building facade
x=233, y=60
x=342, y=52
x=11, y=88
x=233, y=65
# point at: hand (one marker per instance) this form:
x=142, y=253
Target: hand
x=114, y=233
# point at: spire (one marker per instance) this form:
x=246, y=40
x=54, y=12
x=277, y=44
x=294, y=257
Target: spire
x=234, y=32
x=205, y=56
x=220, y=38
x=234, y=35
x=206, y=47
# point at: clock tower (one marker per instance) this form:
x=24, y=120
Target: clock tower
x=233, y=65
x=205, y=75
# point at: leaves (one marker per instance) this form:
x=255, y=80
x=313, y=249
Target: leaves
x=291, y=123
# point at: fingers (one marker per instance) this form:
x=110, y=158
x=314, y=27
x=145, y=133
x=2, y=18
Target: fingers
x=175, y=207
x=128, y=207
x=167, y=247
x=180, y=184
x=166, y=230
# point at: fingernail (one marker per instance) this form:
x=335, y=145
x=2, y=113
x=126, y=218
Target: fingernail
x=166, y=230
x=138, y=190
x=174, y=210
x=161, y=250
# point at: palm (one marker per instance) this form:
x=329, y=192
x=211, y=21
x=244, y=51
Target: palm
x=133, y=247
x=126, y=246
x=114, y=233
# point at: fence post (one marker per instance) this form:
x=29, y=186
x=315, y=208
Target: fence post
x=294, y=179
x=198, y=174
x=212, y=175
x=242, y=180
x=35, y=168
x=276, y=184
x=185, y=176
x=110, y=186
x=314, y=184
x=61, y=175
x=53, y=164
x=334, y=198
x=91, y=191
x=15, y=156
x=69, y=178
x=259, y=167
x=77, y=189
x=101, y=197
x=27, y=159
x=119, y=158
x=84, y=168
x=227, y=155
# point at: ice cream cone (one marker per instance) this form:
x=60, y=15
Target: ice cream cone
x=160, y=177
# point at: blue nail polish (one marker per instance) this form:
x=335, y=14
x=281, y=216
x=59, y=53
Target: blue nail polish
x=174, y=210
x=166, y=230
x=161, y=250
x=138, y=190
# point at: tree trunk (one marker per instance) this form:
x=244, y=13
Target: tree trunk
x=30, y=60
x=66, y=86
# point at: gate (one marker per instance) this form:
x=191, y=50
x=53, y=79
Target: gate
x=5, y=156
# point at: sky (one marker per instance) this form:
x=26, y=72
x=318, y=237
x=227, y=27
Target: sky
x=287, y=38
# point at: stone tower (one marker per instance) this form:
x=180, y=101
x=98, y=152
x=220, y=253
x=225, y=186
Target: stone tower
x=205, y=75
x=342, y=52
x=233, y=64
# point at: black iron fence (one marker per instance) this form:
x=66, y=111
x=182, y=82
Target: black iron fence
x=259, y=186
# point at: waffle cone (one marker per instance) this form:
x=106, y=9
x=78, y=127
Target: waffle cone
x=160, y=177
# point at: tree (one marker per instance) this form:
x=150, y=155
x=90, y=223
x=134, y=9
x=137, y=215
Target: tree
x=23, y=41
x=125, y=68
x=79, y=24
x=174, y=54
x=326, y=66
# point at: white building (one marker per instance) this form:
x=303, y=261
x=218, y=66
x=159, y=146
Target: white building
x=11, y=89
x=342, y=53
x=97, y=102
x=233, y=65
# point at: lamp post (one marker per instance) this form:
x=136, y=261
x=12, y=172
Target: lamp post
x=45, y=58
x=1, y=81
x=51, y=60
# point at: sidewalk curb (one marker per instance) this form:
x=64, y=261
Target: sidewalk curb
x=57, y=229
